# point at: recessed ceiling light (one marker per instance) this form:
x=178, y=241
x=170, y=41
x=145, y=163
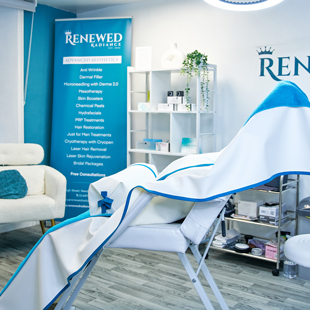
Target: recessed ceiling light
x=243, y=5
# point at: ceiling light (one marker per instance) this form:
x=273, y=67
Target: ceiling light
x=243, y=5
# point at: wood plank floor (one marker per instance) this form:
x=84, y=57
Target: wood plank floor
x=143, y=280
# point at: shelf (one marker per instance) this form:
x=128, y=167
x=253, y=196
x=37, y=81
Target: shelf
x=170, y=126
x=288, y=187
x=165, y=112
x=289, y=219
x=207, y=112
x=207, y=133
x=172, y=70
x=137, y=130
x=170, y=112
x=293, y=186
x=246, y=254
x=132, y=70
x=211, y=67
x=157, y=152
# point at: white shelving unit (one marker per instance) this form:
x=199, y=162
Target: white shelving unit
x=170, y=126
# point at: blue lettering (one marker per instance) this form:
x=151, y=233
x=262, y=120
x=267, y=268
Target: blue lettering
x=263, y=67
x=281, y=66
x=298, y=62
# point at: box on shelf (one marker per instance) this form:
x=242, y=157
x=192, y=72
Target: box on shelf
x=273, y=210
x=144, y=106
x=174, y=99
x=272, y=251
x=163, y=146
x=272, y=220
x=182, y=107
x=165, y=107
x=193, y=107
x=188, y=145
x=152, y=140
x=146, y=145
x=249, y=207
x=270, y=214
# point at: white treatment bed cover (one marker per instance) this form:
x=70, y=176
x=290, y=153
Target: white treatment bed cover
x=274, y=141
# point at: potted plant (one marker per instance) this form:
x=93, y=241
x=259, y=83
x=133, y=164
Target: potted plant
x=195, y=64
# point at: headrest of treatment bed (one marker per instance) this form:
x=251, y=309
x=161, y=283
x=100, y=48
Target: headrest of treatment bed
x=16, y=154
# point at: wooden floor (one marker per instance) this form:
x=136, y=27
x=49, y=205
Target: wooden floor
x=144, y=280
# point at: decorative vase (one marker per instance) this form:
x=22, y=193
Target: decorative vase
x=173, y=58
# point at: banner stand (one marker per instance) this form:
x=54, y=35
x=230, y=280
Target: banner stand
x=89, y=103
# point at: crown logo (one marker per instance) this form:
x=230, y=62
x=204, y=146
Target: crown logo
x=265, y=51
x=67, y=32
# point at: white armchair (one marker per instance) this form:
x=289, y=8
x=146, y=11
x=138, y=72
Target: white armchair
x=46, y=195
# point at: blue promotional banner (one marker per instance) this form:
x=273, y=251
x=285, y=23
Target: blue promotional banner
x=89, y=103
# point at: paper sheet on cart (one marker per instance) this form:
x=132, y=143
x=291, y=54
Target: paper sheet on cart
x=274, y=141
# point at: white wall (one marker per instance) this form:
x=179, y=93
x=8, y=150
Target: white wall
x=231, y=40
x=11, y=75
x=11, y=84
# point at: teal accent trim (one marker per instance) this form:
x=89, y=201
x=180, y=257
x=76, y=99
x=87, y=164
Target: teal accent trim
x=103, y=215
x=56, y=227
x=145, y=167
x=285, y=94
x=73, y=212
x=87, y=215
x=38, y=107
x=224, y=193
x=81, y=217
x=189, y=167
x=93, y=254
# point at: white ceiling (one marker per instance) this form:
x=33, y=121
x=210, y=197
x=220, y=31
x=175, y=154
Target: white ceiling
x=80, y=6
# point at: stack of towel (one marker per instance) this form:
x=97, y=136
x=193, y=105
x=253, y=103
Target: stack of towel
x=231, y=236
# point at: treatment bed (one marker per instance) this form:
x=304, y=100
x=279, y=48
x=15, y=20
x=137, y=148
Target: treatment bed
x=137, y=208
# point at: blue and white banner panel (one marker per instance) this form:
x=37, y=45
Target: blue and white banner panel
x=89, y=102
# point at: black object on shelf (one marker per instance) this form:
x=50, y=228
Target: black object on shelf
x=230, y=207
x=304, y=207
x=273, y=185
x=247, y=238
x=242, y=248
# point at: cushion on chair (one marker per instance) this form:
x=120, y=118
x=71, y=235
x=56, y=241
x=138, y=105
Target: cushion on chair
x=34, y=176
x=16, y=154
x=12, y=185
x=27, y=209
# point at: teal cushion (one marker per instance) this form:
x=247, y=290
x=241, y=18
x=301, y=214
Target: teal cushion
x=12, y=185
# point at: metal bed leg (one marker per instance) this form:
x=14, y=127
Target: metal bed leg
x=68, y=291
x=209, y=278
x=197, y=284
x=76, y=284
x=202, y=266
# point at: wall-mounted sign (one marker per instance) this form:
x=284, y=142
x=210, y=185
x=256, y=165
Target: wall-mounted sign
x=280, y=65
x=89, y=103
